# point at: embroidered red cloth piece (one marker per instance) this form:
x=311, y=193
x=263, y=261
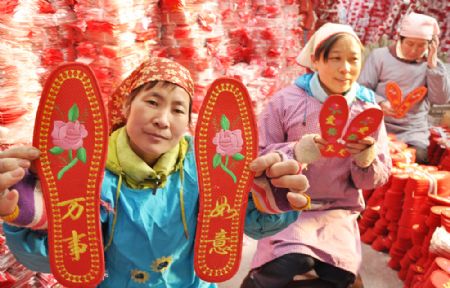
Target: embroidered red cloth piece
x=333, y=119
x=226, y=143
x=402, y=106
x=72, y=134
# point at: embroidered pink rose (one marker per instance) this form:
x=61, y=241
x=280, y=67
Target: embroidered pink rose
x=228, y=142
x=68, y=135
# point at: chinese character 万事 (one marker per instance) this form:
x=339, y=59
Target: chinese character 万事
x=75, y=209
x=75, y=246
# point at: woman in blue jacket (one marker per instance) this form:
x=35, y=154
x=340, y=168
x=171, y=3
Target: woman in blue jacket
x=150, y=161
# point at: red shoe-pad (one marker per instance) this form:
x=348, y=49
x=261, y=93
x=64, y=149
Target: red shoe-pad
x=333, y=119
x=71, y=133
x=226, y=141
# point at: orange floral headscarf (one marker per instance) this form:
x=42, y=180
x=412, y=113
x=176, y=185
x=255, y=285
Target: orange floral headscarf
x=153, y=69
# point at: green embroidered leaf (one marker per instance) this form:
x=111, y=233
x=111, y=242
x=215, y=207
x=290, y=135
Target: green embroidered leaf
x=238, y=156
x=352, y=137
x=224, y=122
x=56, y=150
x=332, y=131
x=81, y=154
x=216, y=160
x=74, y=113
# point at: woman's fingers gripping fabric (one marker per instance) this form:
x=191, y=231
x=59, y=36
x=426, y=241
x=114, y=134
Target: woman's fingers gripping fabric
x=262, y=163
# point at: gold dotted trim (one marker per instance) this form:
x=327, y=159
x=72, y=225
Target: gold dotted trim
x=207, y=187
x=55, y=212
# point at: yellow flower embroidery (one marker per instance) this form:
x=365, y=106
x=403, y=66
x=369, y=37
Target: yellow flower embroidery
x=161, y=264
x=139, y=276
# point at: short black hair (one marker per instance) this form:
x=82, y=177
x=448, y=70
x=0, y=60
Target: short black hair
x=403, y=38
x=326, y=46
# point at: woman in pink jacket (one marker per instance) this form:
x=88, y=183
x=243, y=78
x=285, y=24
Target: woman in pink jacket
x=411, y=62
x=324, y=238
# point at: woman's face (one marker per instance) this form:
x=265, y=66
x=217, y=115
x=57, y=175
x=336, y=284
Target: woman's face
x=413, y=48
x=341, y=70
x=158, y=118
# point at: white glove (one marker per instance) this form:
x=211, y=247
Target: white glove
x=306, y=150
x=364, y=158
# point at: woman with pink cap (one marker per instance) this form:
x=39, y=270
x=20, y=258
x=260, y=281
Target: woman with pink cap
x=324, y=239
x=411, y=62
